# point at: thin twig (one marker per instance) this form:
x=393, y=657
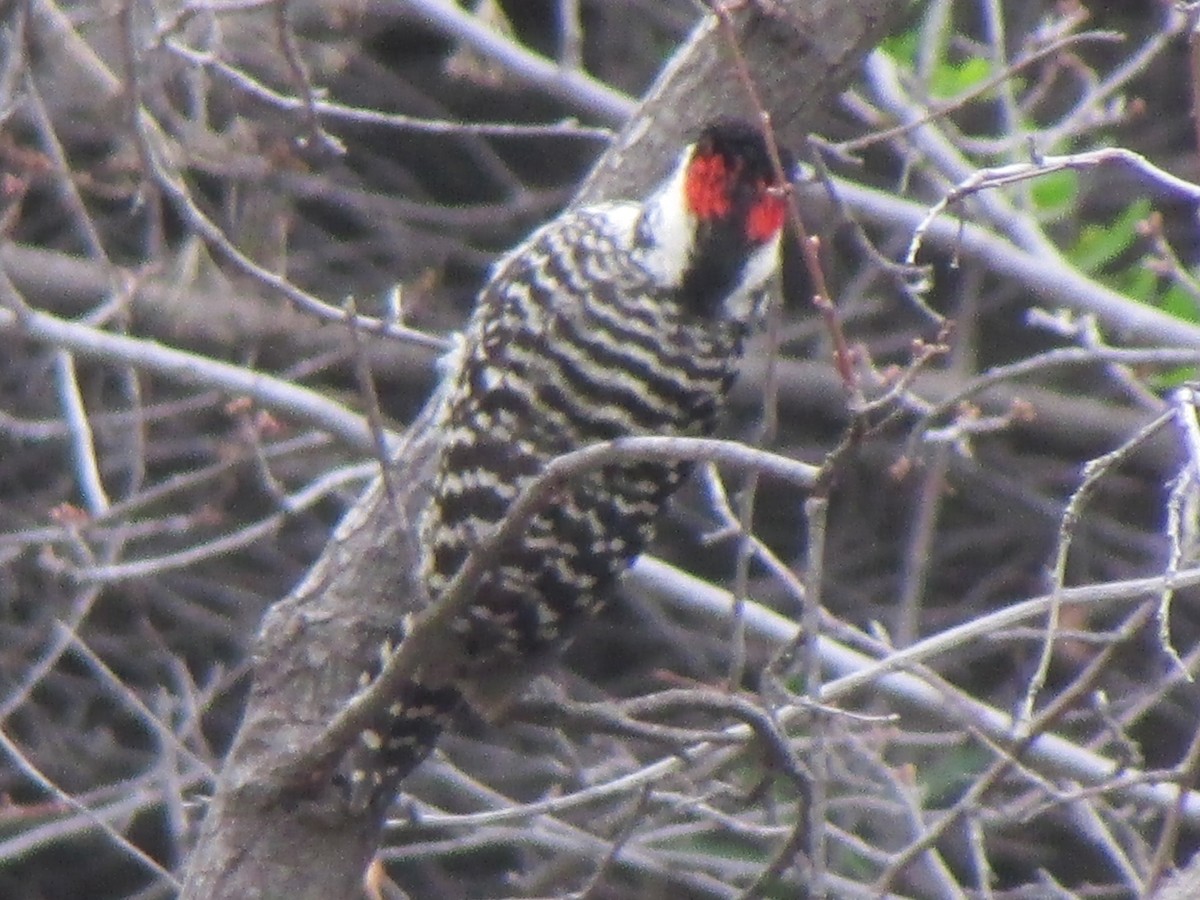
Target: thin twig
x=989, y=179
x=809, y=245
x=1093, y=471
x=188, y=368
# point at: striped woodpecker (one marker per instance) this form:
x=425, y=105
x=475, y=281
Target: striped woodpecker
x=614, y=320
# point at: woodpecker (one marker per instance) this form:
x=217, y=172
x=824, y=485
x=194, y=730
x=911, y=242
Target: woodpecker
x=620, y=319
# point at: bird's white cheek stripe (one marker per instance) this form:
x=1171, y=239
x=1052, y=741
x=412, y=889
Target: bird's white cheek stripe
x=674, y=228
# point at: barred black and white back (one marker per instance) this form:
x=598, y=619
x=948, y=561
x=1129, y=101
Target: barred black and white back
x=617, y=320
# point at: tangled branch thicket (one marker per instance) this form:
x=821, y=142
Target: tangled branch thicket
x=995, y=570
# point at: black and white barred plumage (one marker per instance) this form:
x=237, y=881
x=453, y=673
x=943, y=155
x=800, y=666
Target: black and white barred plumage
x=617, y=320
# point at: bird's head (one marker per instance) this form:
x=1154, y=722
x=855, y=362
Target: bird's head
x=731, y=186
x=717, y=220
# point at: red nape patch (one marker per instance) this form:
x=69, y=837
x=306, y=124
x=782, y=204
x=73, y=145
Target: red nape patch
x=708, y=187
x=766, y=217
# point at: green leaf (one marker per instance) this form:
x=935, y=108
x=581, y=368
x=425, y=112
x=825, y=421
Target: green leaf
x=1181, y=304
x=1138, y=283
x=941, y=779
x=1055, y=192
x=952, y=79
x=1172, y=378
x=902, y=47
x=1099, y=245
